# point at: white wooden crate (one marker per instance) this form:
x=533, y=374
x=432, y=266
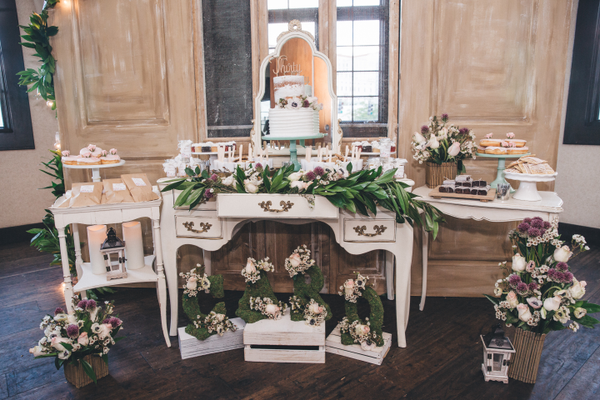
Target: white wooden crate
x=190, y=347
x=334, y=345
x=284, y=333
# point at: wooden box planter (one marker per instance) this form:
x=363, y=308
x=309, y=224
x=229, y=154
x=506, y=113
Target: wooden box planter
x=75, y=374
x=334, y=345
x=190, y=347
x=524, y=364
x=435, y=174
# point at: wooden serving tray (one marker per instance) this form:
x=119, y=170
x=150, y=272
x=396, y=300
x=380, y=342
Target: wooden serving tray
x=435, y=193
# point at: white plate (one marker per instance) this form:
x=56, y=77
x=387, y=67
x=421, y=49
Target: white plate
x=530, y=177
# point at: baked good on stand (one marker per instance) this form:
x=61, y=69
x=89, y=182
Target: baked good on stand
x=95, y=151
x=68, y=159
x=530, y=165
x=110, y=157
x=87, y=159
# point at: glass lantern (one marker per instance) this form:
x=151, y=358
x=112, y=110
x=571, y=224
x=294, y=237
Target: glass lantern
x=113, y=252
x=497, y=350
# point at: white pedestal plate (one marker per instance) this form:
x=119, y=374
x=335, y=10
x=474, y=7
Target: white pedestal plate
x=528, y=187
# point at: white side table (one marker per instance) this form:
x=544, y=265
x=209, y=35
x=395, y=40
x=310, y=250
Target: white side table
x=113, y=214
x=547, y=208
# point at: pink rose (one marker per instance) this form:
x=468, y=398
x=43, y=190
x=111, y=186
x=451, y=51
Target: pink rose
x=295, y=260
x=103, y=153
x=349, y=286
x=524, y=313
x=489, y=135
x=91, y=147
x=66, y=153
x=315, y=308
x=510, y=135
x=113, y=152
x=87, y=154
x=512, y=299
x=454, y=149
x=504, y=144
x=83, y=339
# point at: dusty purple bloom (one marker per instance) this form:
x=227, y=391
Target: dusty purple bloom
x=115, y=322
x=542, y=231
x=258, y=166
x=533, y=232
x=444, y=117
x=547, y=225
x=306, y=104
x=567, y=277
x=523, y=227
x=58, y=311
x=214, y=177
x=463, y=131
x=514, y=280
x=552, y=274
x=536, y=223
x=522, y=288
x=72, y=331
x=91, y=305
x=82, y=304
x=533, y=286
x=319, y=171
x=310, y=176
x=208, y=193
x=424, y=129
x=537, y=219
x=527, y=220
x=562, y=266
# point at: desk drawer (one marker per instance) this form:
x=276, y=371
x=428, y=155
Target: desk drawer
x=369, y=230
x=274, y=206
x=198, y=226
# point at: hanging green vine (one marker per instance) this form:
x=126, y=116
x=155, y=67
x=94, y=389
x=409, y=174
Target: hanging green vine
x=37, y=37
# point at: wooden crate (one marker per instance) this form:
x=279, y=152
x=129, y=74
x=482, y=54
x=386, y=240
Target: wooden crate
x=284, y=341
x=191, y=347
x=77, y=376
x=334, y=345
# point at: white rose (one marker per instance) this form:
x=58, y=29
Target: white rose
x=296, y=176
x=577, y=290
x=419, y=138
x=250, y=186
x=518, y=263
x=512, y=299
x=228, y=181
x=562, y=254
x=524, y=313
x=454, y=149
x=192, y=283
x=220, y=317
x=362, y=329
x=272, y=309
x=37, y=351
x=315, y=308
x=552, y=303
x=299, y=184
x=295, y=260
x=433, y=142
x=349, y=287
x=250, y=267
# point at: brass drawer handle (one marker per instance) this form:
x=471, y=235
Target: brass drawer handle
x=379, y=229
x=285, y=206
x=204, y=227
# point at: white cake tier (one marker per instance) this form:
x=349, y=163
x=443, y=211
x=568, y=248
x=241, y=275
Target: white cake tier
x=288, y=86
x=293, y=123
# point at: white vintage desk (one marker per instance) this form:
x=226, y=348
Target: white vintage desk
x=112, y=214
x=210, y=226
x=494, y=211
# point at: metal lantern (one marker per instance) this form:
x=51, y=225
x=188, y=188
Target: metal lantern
x=497, y=350
x=113, y=247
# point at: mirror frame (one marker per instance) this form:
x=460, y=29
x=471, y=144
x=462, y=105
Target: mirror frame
x=295, y=31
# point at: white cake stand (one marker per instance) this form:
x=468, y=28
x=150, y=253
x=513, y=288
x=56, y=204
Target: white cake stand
x=528, y=187
x=95, y=168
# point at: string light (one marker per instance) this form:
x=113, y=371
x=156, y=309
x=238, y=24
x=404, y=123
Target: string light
x=57, y=141
x=50, y=103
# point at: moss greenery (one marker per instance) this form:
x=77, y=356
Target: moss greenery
x=260, y=289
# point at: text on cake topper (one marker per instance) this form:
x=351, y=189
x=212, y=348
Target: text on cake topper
x=286, y=69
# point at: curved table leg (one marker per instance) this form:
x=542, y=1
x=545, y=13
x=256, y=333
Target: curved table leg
x=425, y=256
x=68, y=289
x=389, y=274
x=171, y=275
x=161, y=285
x=403, y=264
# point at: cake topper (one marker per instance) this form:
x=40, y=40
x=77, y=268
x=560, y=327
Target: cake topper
x=286, y=69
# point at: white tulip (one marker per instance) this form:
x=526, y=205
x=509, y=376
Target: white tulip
x=296, y=176
x=562, y=254
x=454, y=149
x=433, y=142
x=518, y=263
x=250, y=186
x=250, y=267
x=299, y=184
x=524, y=313
x=419, y=138
x=37, y=351
x=228, y=181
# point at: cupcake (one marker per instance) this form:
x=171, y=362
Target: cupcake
x=68, y=159
x=110, y=157
x=87, y=159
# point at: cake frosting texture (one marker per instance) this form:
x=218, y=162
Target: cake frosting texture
x=293, y=123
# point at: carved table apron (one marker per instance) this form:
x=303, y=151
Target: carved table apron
x=212, y=225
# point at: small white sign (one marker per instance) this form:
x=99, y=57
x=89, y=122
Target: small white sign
x=138, y=181
x=118, y=187
x=86, y=189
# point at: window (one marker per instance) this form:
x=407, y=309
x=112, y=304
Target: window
x=15, y=119
x=281, y=12
x=582, y=124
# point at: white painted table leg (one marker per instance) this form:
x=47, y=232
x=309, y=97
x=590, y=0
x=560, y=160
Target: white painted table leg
x=425, y=259
x=77, y=242
x=403, y=266
x=64, y=255
x=389, y=274
x=171, y=274
x=207, y=262
x=161, y=286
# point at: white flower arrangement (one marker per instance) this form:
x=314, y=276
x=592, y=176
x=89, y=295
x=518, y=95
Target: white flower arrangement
x=251, y=272
x=215, y=322
x=297, y=103
x=352, y=288
x=266, y=307
x=194, y=282
x=314, y=313
x=299, y=261
x=360, y=333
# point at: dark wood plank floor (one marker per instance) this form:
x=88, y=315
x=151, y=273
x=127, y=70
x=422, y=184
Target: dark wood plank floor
x=442, y=360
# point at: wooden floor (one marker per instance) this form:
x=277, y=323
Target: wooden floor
x=442, y=360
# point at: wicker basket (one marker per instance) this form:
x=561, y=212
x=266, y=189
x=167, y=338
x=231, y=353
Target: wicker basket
x=77, y=376
x=436, y=173
x=524, y=364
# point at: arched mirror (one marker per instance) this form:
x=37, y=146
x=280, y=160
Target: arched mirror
x=296, y=56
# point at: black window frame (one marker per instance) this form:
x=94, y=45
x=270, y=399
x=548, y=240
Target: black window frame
x=582, y=122
x=17, y=130
x=285, y=15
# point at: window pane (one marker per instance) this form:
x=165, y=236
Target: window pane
x=344, y=58
x=345, y=109
x=344, y=33
x=344, y=3
x=344, y=83
x=365, y=2
x=277, y=4
x=1, y=118
x=366, y=58
x=366, y=109
x=366, y=33
x=275, y=29
x=304, y=3
x=366, y=83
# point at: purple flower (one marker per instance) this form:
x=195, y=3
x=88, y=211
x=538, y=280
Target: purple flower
x=306, y=104
x=562, y=266
x=294, y=104
x=208, y=193
x=463, y=131
x=522, y=288
x=310, y=176
x=533, y=232
x=537, y=219
x=72, y=331
x=82, y=304
x=527, y=220
x=91, y=305
x=214, y=177
x=115, y=322
x=58, y=311
x=444, y=117
x=547, y=225
x=533, y=286
x=424, y=129
x=319, y=171
x=514, y=280
x=258, y=166
x=567, y=277
x=523, y=227
x=542, y=231
x=537, y=223
x=552, y=274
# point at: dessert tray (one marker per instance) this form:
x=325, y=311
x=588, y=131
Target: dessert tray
x=527, y=190
x=95, y=168
x=501, y=165
x=436, y=194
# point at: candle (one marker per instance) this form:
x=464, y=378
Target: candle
x=346, y=155
x=134, y=245
x=250, y=152
x=330, y=155
x=320, y=154
x=96, y=236
x=241, y=147
x=308, y=153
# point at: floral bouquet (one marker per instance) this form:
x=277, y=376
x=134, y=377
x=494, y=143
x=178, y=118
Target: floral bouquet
x=195, y=282
x=296, y=103
x=541, y=294
x=251, y=272
x=267, y=307
x=439, y=142
x=88, y=330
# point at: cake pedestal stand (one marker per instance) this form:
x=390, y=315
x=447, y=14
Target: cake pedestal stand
x=501, y=166
x=95, y=168
x=293, y=150
x=528, y=187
